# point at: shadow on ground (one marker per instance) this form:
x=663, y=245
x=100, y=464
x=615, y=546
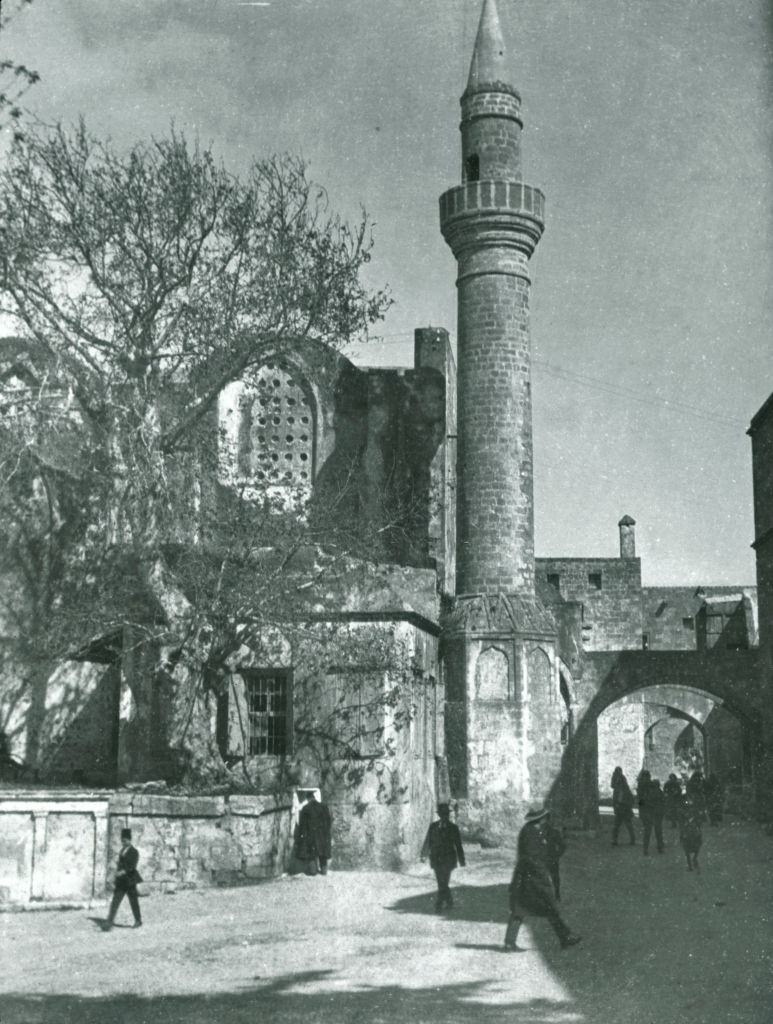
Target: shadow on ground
x=284, y=1001
x=471, y=903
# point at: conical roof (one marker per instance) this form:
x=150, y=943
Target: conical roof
x=488, y=58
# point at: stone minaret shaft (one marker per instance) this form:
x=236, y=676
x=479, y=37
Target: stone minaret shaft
x=492, y=222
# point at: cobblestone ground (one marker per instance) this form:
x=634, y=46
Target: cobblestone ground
x=659, y=945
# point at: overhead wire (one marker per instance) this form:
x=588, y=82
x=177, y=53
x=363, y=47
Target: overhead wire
x=612, y=388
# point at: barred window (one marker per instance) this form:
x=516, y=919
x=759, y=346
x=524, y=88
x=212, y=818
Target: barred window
x=269, y=720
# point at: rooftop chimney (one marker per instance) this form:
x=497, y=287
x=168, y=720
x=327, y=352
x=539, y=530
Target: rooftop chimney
x=627, y=537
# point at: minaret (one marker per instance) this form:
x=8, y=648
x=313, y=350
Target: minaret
x=502, y=686
x=492, y=222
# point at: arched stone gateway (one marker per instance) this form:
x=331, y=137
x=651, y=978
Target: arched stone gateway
x=717, y=677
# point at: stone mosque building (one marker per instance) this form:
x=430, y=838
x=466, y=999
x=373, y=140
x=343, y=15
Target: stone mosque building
x=535, y=676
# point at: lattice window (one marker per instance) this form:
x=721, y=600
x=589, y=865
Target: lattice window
x=269, y=719
x=276, y=432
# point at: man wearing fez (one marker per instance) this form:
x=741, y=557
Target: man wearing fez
x=127, y=877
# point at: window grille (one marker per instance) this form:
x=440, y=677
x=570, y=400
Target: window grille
x=268, y=694
x=276, y=436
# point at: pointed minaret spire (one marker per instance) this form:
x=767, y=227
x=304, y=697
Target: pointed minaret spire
x=488, y=57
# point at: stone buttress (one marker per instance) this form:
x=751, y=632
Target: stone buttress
x=503, y=717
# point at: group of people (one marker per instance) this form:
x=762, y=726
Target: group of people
x=701, y=800
x=535, y=887
x=536, y=883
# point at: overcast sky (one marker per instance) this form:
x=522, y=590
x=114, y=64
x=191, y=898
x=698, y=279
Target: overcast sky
x=647, y=125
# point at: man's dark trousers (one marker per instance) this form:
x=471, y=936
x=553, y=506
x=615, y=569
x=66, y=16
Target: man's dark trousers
x=134, y=902
x=443, y=876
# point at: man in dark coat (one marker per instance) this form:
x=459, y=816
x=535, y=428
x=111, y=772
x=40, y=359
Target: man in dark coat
x=313, y=841
x=531, y=889
x=672, y=791
x=651, y=810
x=444, y=846
x=691, y=818
x=127, y=878
x=622, y=806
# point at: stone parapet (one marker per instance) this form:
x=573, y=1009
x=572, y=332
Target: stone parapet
x=492, y=213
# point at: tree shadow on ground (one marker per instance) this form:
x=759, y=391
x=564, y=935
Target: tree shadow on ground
x=287, y=1000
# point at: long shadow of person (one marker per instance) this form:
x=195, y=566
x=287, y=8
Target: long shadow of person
x=485, y=903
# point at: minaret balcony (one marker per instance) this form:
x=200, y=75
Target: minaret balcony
x=493, y=212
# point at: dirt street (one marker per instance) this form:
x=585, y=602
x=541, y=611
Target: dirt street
x=660, y=946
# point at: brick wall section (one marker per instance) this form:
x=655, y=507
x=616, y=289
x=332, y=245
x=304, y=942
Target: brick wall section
x=495, y=487
x=612, y=615
x=491, y=130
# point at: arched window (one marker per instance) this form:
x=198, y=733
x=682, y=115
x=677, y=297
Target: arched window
x=267, y=431
x=472, y=168
x=276, y=429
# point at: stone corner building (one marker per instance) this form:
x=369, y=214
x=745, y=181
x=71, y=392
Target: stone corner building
x=532, y=677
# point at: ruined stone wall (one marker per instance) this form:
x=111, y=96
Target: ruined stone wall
x=609, y=590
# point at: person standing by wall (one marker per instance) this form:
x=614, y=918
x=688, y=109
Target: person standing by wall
x=444, y=847
x=314, y=835
x=127, y=878
x=622, y=806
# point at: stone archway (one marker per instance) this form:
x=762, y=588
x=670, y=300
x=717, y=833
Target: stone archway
x=723, y=678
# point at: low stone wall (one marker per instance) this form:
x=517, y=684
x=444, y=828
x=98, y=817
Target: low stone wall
x=53, y=847
x=60, y=847
x=190, y=842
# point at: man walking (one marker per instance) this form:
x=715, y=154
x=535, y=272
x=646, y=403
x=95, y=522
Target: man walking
x=444, y=846
x=127, y=878
x=531, y=889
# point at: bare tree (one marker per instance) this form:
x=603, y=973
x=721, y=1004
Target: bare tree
x=146, y=282
x=15, y=78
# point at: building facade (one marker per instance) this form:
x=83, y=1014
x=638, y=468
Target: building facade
x=502, y=680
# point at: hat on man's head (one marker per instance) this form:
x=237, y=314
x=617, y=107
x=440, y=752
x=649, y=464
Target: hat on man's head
x=126, y=833
x=536, y=813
